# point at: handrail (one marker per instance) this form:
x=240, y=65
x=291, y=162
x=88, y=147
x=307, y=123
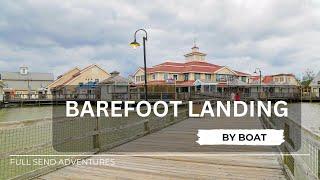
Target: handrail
x=154, y=95
x=306, y=167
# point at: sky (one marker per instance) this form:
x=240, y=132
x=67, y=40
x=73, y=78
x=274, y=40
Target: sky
x=57, y=35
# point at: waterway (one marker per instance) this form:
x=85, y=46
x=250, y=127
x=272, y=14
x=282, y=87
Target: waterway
x=25, y=113
x=310, y=117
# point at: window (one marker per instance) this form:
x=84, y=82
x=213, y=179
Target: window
x=175, y=76
x=230, y=77
x=196, y=76
x=243, y=79
x=208, y=76
x=142, y=78
x=154, y=76
x=186, y=76
x=165, y=76
x=220, y=77
x=281, y=79
x=318, y=82
x=224, y=77
x=137, y=78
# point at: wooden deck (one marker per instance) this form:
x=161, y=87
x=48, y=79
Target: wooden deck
x=191, y=165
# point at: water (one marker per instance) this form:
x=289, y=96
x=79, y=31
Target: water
x=310, y=116
x=25, y=113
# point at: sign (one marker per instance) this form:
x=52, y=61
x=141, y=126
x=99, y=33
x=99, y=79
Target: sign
x=170, y=81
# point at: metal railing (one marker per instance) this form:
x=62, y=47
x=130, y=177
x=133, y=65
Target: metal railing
x=141, y=96
x=310, y=96
x=250, y=96
x=22, y=97
x=301, y=149
x=152, y=96
x=72, y=137
x=76, y=96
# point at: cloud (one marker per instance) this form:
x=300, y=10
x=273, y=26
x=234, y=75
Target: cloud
x=54, y=36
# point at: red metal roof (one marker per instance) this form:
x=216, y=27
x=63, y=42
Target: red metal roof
x=267, y=79
x=283, y=74
x=192, y=66
x=255, y=78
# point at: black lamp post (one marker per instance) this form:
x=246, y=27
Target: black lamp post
x=135, y=44
x=260, y=79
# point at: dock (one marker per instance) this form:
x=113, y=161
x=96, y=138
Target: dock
x=172, y=153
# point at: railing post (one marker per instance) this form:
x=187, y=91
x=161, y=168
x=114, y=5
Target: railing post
x=171, y=119
x=96, y=136
x=146, y=127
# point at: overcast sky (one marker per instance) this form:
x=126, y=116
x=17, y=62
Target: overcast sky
x=56, y=35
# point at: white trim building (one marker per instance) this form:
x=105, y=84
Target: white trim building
x=1, y=91
x=315, y=86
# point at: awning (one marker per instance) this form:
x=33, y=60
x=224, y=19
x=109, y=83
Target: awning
x=199, y=82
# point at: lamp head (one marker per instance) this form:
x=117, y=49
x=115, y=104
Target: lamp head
x=134, y=44
x=255, y=72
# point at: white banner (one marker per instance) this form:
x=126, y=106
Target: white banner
x=258, y=137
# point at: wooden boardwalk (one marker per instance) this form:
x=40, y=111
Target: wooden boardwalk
x=191, y=165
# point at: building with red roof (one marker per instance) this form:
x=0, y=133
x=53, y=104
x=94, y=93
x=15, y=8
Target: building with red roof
x=276, y=84
x=195, y=74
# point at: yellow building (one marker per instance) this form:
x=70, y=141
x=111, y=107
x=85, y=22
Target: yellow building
x=195, y=74
x=62, y=79
x=278, y=84
x=78, y=81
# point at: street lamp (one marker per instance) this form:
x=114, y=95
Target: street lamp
x=134, y=45
x=260, y=79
